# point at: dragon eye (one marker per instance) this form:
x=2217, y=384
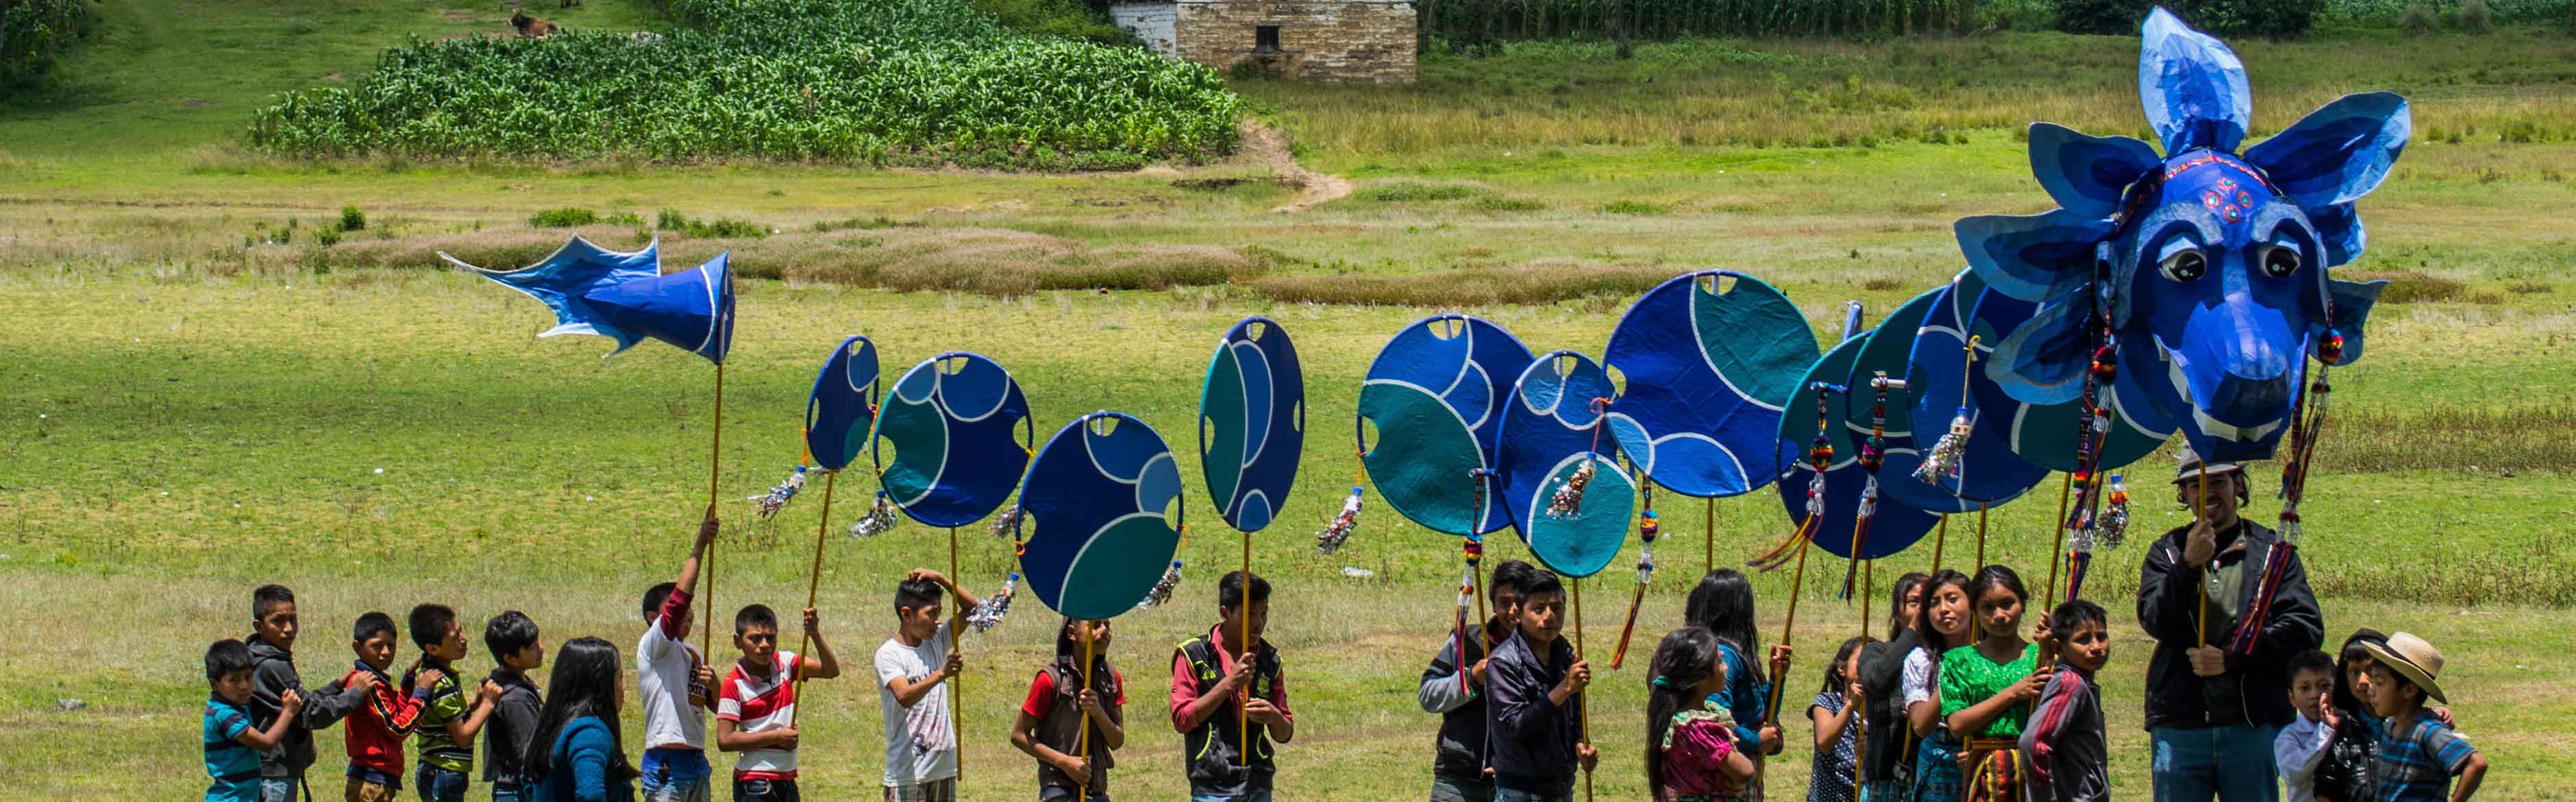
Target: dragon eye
x=2279, y=261
x=2186, y=265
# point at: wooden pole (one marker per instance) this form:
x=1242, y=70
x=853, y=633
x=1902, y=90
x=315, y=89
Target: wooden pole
x=1938, y=540
x=707, y=563
x=2200, y=512
x=2058, y=549
x=957, y=684
x=1788, y=632
x=1243, y=615
x=1082, y=742
x=1709, y=525
x=1584, y=723
x=813, y=583
x=1981, y=538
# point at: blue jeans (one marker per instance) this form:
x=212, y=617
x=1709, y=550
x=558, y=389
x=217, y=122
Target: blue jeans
x=2233, y=764
x=278, y=789
x=1509, y=795
x=508, y=793
x=1058, y=793
x=675, y=775
x=1451, y=789
x=438, y=785
x=1256, y=796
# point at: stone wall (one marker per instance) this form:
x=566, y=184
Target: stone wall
x=1354, y=41
x=1151, y=23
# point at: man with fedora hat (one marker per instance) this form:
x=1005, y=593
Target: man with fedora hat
x=2420, y=753
x=2227, y=603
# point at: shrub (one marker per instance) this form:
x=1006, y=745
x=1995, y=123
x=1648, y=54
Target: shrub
x=2419, y=21
x=1635, y=207
x=867, y=81
x=2474, y=18
x=1410, y=192
x=33, y=32
x=1503, y=203
x=567, y=217
x=2102, y=16
x=721, y=228
x=351, y=219
x=2415, y=286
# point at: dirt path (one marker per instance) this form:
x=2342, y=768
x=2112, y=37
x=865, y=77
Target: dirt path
x=1268, y=147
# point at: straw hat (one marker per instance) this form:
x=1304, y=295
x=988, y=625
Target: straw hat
x=2413, y=659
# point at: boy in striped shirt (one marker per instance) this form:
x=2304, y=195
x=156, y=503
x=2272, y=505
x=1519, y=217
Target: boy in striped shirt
x=449, y=718
x=756, y=708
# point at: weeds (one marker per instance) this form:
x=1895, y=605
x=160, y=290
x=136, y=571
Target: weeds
x=2415, y=286
x=1635, y=207
x=2538, y=437
x=1539, y=283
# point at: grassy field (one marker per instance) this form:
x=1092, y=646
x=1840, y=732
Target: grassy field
x=187, y=414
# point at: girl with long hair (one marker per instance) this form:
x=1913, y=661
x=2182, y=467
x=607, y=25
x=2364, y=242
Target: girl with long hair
x=575, y=756
x=1943, y=623
x=1691, y=753
x=1987, y=688
x=1723, y=605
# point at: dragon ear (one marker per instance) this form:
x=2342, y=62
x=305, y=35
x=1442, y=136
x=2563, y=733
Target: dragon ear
x=2087, y=174
x=2194, y=88
x=2043, y=360
x=2352, y=302
x=2339, y=231
x=2339, y=152
x=2032, y=258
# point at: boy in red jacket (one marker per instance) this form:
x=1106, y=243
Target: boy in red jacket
x=376, y=729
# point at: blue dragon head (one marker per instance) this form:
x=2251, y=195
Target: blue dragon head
x=2205, y=268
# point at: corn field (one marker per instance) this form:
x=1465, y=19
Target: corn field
x=1481, y=21
x=866, y=81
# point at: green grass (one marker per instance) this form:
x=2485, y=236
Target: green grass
x=186, y=414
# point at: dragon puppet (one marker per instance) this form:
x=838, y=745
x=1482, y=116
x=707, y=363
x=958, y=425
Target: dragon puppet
x=2202, y=273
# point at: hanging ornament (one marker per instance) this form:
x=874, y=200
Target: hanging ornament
x=776, y=499
x=1162, y=591
x=1647, y=528
x=988, y=613
x=1008, y=523
x=1330, y=538
x=1943, y=460
x=1568, y=498
x=2113, y=526
x=878, y=520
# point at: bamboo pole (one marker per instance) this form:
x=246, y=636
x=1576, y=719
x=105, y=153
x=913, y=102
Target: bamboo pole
x=1584, y=725
x=707, y=563
x=813, y=584
x=1082, y=741
x=1243, y=615
x=957, y=684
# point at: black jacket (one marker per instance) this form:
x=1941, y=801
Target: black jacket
x=1882, y=677
x=273, y=672
x=2255, y=689
x=1533, y=739
x=1460, y=753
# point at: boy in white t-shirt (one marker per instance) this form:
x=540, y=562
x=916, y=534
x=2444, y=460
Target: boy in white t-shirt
x=920, y=737
x=756, y=711
x=676, y=686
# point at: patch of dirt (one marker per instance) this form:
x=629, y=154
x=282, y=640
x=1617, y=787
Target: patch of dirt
x=1268, y=147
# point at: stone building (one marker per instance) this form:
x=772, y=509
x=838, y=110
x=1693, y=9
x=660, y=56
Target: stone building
x=1355, y=41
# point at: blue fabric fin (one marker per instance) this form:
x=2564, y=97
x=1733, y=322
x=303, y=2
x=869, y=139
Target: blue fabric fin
x=2193, y=87
x=2352, y=303
x=2087, y=174
x=692, y=309
x=2044, y=360
x=564, y=279
x=2339, y=152
x=2339, y=231
x=2033, y=258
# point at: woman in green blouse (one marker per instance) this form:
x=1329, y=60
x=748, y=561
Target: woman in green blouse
x=1987, y=687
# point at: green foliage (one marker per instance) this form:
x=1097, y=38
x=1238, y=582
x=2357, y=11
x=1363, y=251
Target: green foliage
x=351, y=219
x=2387, y=13
x=1411, y=192
x=2277, y=19
x=2475, y=19
x=721, y=228
x=566, y=217
x=2102, y=16
x=2018, y=15
x=1071, y=19
x=1477, y=25
x=869, y=81
x=2419, y=21
x=33, y=32
x=1637, y=207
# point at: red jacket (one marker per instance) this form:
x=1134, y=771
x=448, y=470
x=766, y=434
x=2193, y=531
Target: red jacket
x=376, y=729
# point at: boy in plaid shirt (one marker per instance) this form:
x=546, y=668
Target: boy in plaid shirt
x=2419, y=754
